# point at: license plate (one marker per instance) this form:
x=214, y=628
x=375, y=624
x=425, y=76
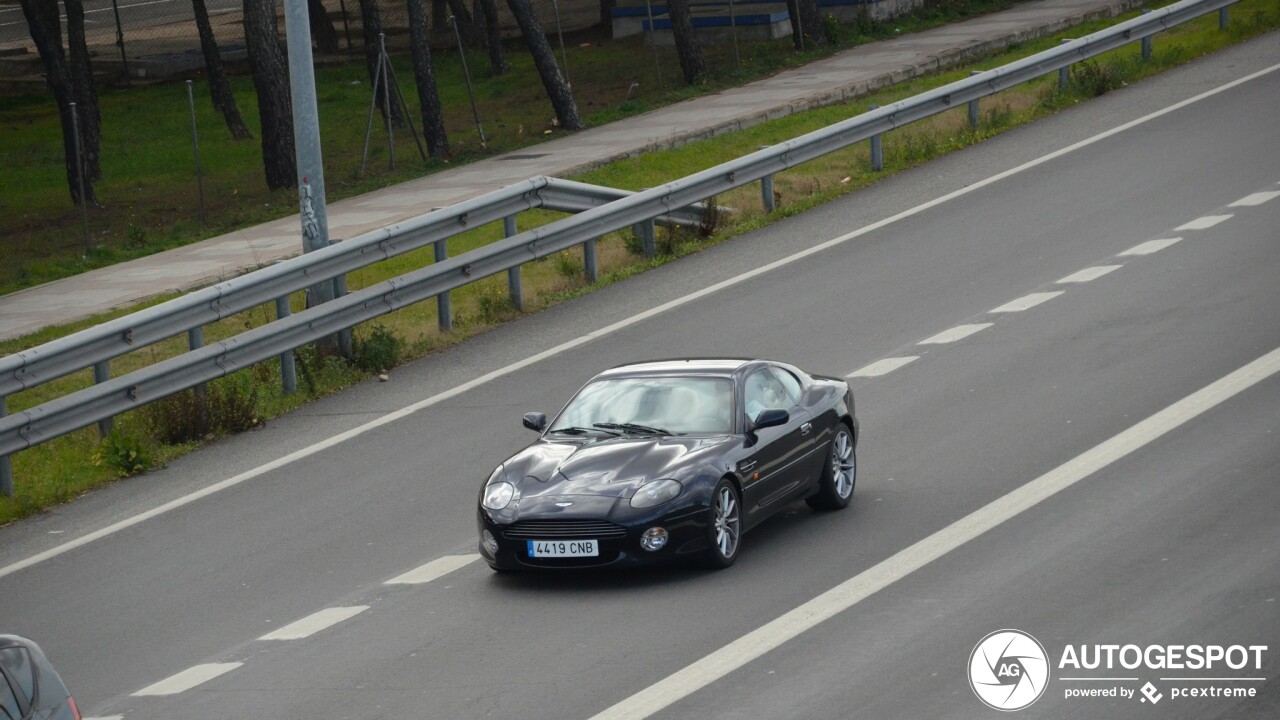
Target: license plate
x=563, y=548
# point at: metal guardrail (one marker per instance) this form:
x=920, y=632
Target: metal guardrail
x=600, y=211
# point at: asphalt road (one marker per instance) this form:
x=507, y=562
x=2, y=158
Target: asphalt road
x=1171, y=541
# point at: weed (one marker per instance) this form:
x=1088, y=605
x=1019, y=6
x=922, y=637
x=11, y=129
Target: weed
x=568, y=264
x=123, y=453
x=493, y=305
x=712, y=217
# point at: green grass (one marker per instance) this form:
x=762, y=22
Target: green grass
x=148, y=192
x=58, y=470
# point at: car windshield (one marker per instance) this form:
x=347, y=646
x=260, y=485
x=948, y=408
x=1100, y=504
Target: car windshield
x=675, y=405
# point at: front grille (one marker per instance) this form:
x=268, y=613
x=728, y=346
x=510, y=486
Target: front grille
x=564, y=530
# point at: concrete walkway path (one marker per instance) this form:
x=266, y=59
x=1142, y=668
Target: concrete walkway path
x=848, y=74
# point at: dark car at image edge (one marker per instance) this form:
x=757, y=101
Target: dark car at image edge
x=669, y=461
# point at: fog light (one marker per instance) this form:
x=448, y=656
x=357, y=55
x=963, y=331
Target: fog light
x=489, y=541
x=653, y=539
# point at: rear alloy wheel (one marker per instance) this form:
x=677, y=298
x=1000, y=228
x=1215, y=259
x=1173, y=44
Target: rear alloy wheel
x=839, y=474
x=724, y=526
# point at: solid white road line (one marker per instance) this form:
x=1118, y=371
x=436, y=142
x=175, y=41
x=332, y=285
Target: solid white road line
x=1255, y=199
x=1204, y=223
x=314, y=623
x=1149, y=247
x=852, y=591
x=602, y=332
x=882, y=367
x=434, y=569
x=1026, y=302
x=958, y=332
x=188, y=679
x=1089, y=274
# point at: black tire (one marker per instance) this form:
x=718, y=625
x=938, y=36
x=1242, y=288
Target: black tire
x=724, y=526
x=839, y=473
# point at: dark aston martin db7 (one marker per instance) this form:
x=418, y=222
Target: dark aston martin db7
x=671, y=460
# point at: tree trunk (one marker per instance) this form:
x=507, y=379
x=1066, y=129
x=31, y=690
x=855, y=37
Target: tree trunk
x=322, y=30
x=557, y=90
x=372, y=23
x=86, y=92
x=471, y=35
x=224, y=101
x=493, y=37
x=805, y=19
x=686, y=43
x=271, y=80
x=606, y=14
x=46, y=32
x=425, y=76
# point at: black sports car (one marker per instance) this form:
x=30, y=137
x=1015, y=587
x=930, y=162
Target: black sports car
x=669, y=460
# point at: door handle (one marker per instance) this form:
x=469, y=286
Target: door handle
x=806, y=428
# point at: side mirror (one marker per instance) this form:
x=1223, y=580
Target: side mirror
x=770, y=418
x=535, y=421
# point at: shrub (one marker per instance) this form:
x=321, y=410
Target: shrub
x=494, y=304
x=376, y=350
x=1091, y=78
x=180, y=418
x=233, y=403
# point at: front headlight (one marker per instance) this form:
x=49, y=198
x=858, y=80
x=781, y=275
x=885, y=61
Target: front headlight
x=498, y=495
x=655, y=493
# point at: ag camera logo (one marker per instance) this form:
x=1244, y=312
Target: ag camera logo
x=1008, y=670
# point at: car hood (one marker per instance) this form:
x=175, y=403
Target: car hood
x=610, y=467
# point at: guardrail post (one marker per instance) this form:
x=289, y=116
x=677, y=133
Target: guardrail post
x=877, y=149
x=195, y=341
x=1064, y=73
x=1146, y=42
x=589, y=263
x=974, y=115
x=648, y=239
x=766, y=189
x=339, y=290
x=514, y=285
x=1224, y=17
x=101, y=374
x=288, y=372
x=6, y=469
x=444, y=303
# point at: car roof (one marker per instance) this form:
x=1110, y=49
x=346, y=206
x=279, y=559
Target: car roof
x=680, y=366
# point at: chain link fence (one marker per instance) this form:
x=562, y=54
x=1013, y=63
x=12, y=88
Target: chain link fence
x=157, y=38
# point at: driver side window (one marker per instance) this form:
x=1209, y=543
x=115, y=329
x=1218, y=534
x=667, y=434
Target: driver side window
x=763, y=391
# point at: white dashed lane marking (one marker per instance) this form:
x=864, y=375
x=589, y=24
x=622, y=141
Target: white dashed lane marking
x=434, y=569
x=188, y=679
x=882, y=367
x=1026, y=302
x=1089, y=274
x=1255, y=199
x=314, y=623
x=1149, y=247
x=958, y=332
x=1204, y=223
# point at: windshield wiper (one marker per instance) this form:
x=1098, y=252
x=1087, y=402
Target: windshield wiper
x=633, y=428
x=583, y=431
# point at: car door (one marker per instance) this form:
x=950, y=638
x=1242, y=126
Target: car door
x=774, y=468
